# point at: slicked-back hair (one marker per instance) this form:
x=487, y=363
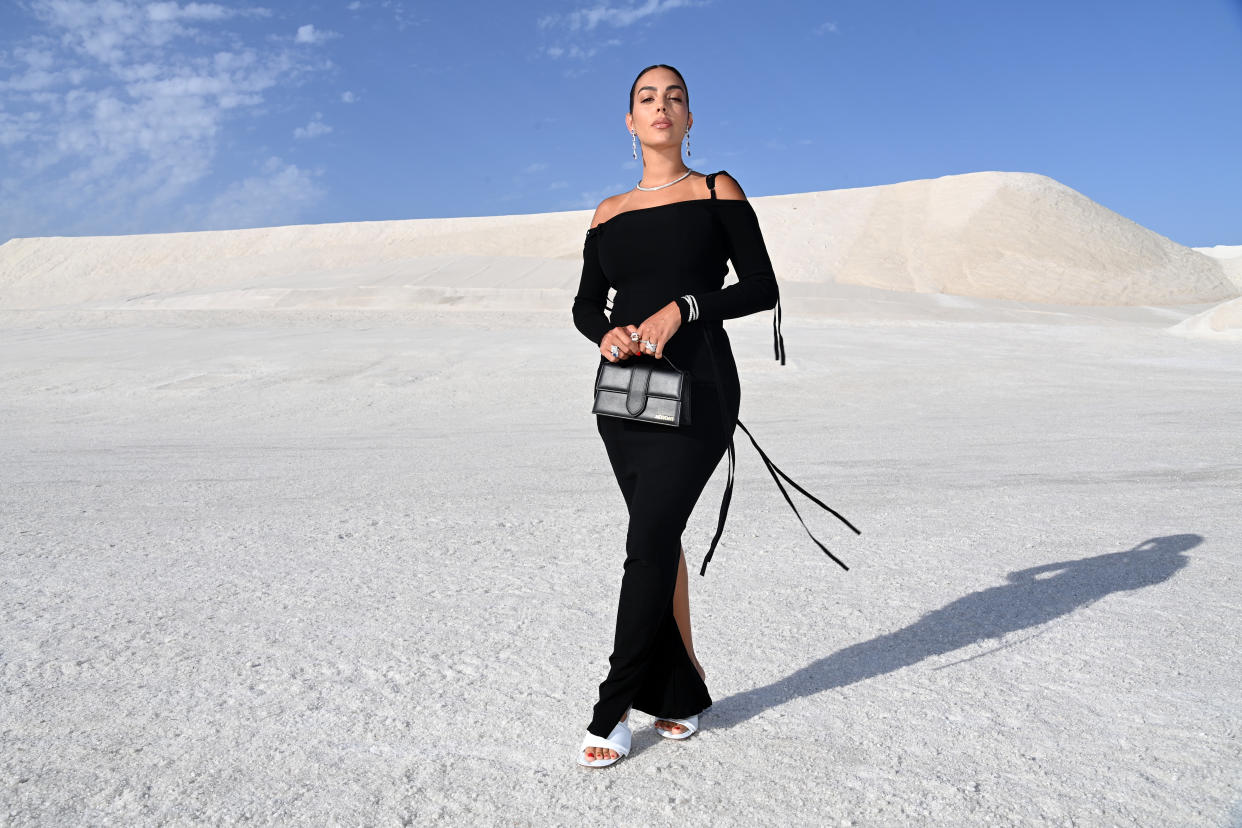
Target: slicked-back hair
x=634, y=85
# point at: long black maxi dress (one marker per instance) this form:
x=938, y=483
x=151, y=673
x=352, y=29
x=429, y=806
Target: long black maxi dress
x=652, y=256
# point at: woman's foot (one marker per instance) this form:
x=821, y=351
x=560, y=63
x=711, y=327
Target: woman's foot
x=593, y=753
x=673, y=727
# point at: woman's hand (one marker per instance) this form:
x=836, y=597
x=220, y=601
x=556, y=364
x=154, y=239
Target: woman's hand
x=620, y=337
x=660, y=327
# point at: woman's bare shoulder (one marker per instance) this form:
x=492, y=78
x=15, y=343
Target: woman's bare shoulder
x=608, y=208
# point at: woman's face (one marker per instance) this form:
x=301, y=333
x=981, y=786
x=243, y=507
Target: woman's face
x=660, y=115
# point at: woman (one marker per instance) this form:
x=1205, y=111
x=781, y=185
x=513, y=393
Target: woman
x=663, y=246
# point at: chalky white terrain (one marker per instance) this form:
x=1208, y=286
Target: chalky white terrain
x=289, y=538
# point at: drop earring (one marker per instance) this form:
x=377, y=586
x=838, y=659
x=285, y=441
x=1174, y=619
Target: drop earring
x=687, y=140
x=634, y=143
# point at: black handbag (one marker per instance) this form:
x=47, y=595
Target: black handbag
x=645, y=389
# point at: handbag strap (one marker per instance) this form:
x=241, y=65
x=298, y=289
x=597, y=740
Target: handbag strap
x=773, y=470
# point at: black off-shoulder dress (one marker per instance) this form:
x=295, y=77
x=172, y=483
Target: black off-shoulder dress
x=653, y=256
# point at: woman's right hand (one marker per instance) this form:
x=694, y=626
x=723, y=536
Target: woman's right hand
x=626, y=347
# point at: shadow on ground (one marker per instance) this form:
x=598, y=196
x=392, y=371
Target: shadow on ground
x=1031, y=597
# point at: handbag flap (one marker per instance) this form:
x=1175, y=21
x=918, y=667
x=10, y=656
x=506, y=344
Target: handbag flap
x=613, y=377
x=663, y=382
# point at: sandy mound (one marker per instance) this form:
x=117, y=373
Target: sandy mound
x=1016, y=236
x=1230, y=258
x=346, y=265
x=990, y=235
x=1221, y=322
x=1221, y=251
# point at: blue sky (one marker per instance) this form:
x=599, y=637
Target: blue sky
x=125, y=117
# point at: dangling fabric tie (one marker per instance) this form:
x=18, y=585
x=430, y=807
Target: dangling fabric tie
x=724, y=510
x=778, y=341
x=777, y=474
x=773, y=470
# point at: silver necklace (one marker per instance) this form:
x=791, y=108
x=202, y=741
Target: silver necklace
x=662, y=186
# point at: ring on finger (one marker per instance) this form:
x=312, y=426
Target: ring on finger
x=616, y=352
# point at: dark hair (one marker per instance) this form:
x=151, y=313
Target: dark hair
x=634, y=85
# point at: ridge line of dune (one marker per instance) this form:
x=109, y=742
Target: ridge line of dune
x=989, y=235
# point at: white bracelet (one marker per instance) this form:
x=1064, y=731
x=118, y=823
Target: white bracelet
x=694, y=307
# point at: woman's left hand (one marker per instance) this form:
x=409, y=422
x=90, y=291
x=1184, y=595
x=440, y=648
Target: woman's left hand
x=660, y=327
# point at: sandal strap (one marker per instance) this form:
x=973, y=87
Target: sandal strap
x=691, y=724
x=614, y=740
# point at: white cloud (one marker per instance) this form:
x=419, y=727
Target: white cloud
x=604, y=14
x=111, y=30
x=354, y=6
x=575, y=52
x=160, y=12
x=348, y=97
x=586, y=20
x=309, y=34
x=112, y=111
x=279, y=195
x=400, y=16
x=314, y=129
x=826, y=26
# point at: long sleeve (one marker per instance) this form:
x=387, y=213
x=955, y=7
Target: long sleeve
x=756, y=289
x=592, y=293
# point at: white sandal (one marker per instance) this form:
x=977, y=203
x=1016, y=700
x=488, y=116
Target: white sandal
x=691, y=726
x=618, y=740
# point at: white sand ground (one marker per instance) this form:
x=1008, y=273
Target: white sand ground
x=311, y=569
x=302, y=565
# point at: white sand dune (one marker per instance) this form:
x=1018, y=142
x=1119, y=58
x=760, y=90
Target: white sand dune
x=1014, y=237
x=1230, y=258
x=1221, y=251
x=1221, y=322
x=353, y=261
